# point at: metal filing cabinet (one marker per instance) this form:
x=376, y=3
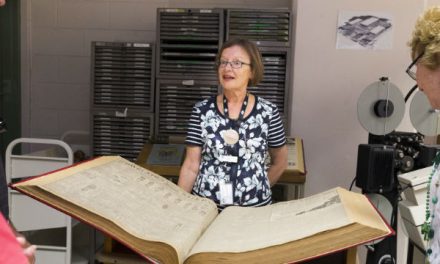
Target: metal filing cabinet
x=122, y=134
x=187, y=43
x=266, y=27
x=271, y=30
x=175, y=100
x=122, y=102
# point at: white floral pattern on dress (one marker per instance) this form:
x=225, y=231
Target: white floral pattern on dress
x=249, y=175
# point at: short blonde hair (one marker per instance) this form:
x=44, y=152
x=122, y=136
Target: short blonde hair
x=426, y=38
x=251, y=49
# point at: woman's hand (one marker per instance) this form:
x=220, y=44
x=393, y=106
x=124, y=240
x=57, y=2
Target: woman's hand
x=28, y=249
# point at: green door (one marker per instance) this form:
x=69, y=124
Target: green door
x=10, y=72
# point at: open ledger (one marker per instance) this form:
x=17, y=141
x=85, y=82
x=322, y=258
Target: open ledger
x=160, y=221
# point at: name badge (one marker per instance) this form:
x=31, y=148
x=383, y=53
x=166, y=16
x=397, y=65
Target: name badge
x=227, y=158
x=225, y=193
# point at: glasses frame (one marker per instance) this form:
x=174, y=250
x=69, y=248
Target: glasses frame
x=224, y=64
x=411, y=73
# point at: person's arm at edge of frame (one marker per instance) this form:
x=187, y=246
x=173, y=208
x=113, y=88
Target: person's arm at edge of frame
x=278, y=158
x=190, y=167
x=28, y=249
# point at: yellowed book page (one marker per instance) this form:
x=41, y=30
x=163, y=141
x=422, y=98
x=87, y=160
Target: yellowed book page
x=144, y=204
x=358, y=212
x=243, y=229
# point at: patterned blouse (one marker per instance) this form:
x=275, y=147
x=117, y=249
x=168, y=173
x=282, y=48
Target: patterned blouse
x=260, y=130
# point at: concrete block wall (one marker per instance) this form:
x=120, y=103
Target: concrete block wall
x=56, y=45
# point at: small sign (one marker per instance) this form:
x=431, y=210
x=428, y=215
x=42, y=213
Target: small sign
x=166, y=154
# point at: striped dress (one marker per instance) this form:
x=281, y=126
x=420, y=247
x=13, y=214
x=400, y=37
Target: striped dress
x=260, y=130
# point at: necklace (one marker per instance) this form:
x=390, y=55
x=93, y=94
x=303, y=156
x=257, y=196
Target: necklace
x=427, y=229
x=231, y=135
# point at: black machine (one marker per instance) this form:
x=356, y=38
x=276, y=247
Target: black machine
x=378, y=165
x=390, y=153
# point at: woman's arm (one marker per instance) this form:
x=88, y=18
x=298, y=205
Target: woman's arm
x=28, y=249
x=278, y=163
x=190, y=168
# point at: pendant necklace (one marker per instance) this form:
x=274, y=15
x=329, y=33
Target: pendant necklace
x=231, y=135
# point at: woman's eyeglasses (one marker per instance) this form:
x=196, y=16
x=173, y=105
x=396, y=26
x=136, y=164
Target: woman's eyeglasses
x=236, y=64
x=410, y=71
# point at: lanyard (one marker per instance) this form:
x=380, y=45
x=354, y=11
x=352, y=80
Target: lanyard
x=231, y=137
x=235, y=124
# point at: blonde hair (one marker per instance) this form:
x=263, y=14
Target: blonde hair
x=426, y=38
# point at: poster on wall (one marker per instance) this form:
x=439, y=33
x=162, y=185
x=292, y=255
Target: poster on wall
x=364, y=30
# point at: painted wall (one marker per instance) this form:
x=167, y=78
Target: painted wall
x=328, y=82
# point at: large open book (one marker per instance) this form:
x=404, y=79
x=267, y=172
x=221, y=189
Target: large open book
x=159, y=221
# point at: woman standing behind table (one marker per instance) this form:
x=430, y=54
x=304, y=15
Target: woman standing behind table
x=229, y=135
x=425, y=69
